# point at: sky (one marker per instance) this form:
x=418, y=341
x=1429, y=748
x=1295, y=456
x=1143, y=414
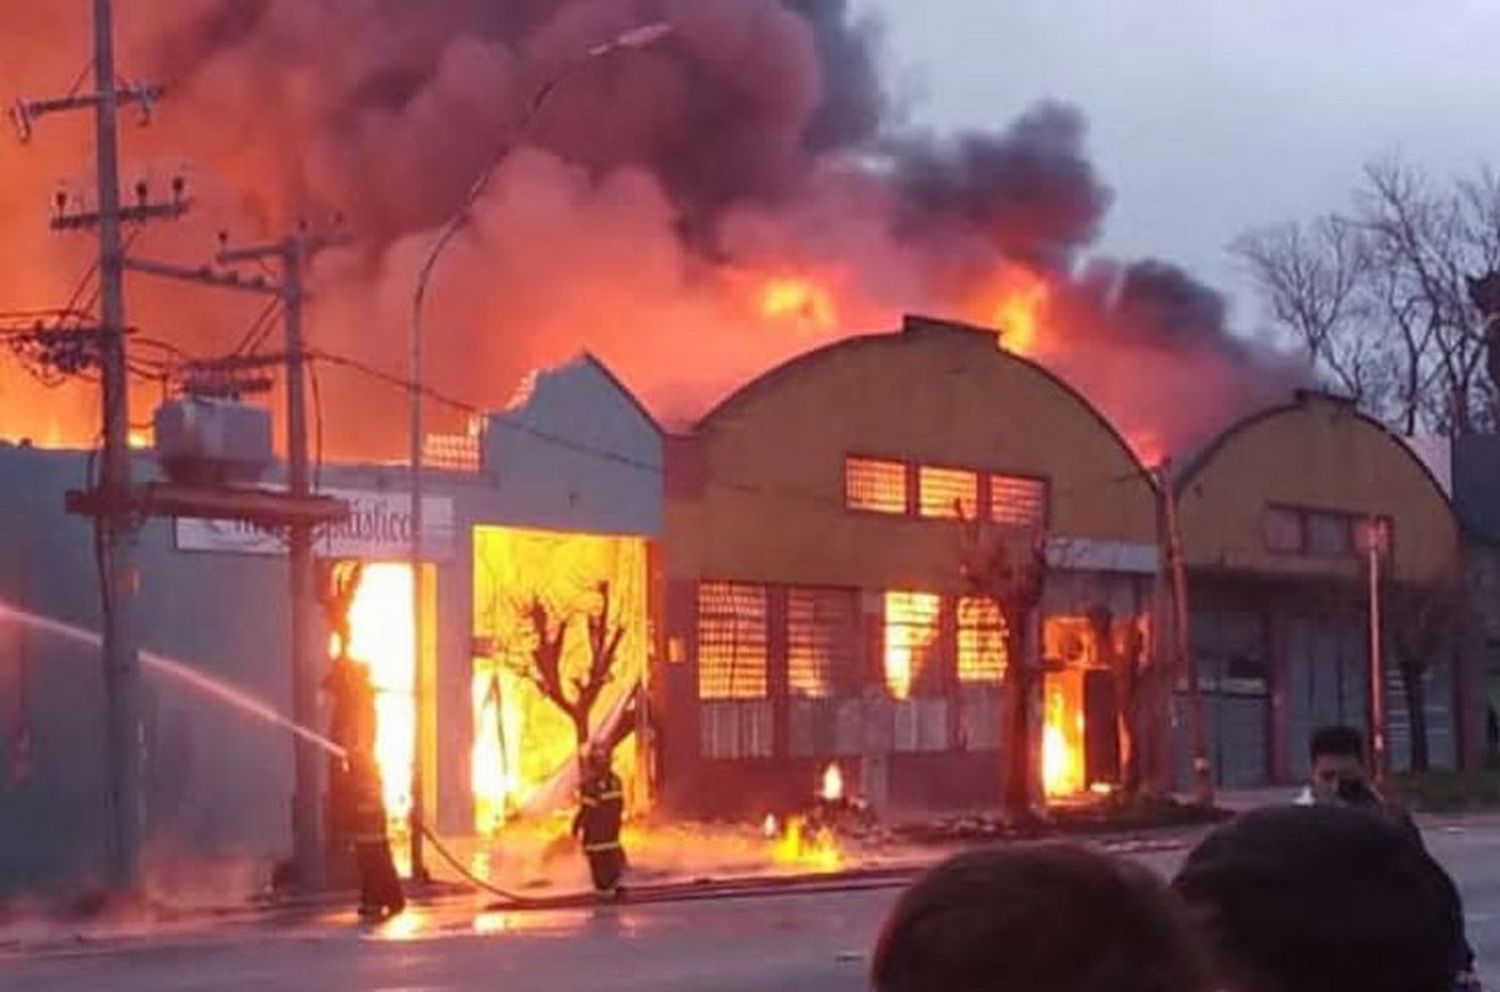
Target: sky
x=1209, y=117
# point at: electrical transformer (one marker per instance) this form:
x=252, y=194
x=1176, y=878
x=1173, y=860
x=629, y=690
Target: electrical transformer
x=210, y=441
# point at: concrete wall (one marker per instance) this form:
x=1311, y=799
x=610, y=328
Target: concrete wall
x=218, y=785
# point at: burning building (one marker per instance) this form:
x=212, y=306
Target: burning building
x=515, y=521
x=1276, y=519
x=816, y=609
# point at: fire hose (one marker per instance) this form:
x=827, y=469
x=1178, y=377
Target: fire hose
x=467, y=875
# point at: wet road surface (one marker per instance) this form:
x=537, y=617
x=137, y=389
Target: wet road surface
x=796, y=943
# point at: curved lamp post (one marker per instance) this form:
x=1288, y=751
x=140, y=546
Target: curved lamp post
x=641, y=36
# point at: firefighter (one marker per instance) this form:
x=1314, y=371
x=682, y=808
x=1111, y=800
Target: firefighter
x=600, y=809
x=380, y=895
x=351, y=725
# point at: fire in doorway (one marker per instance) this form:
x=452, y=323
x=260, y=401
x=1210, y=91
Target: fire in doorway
x=560, y=627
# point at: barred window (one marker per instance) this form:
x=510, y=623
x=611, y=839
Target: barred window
x=981, y=641
x=822, y=627
x=1018, y=501
x=732, y=655
x=947, y=492
x=875, y=485
x=912, y=641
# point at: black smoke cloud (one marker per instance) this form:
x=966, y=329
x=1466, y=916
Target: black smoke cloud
x=632, y=210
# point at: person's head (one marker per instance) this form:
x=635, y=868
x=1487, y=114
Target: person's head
x=1317, y=898
x=1036, y=918
x=596, y=758
x=1338, y=761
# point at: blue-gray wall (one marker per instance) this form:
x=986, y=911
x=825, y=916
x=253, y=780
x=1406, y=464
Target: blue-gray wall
x=581, y=455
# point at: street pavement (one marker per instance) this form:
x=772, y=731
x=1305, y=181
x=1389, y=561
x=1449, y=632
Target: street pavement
x=795, y=943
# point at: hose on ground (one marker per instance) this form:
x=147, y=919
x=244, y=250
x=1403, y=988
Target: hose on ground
x=469, y=876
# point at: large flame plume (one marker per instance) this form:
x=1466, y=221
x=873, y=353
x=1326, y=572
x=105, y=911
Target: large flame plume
x=693, y=212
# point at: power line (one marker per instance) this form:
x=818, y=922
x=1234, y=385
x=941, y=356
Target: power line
x=656, y=469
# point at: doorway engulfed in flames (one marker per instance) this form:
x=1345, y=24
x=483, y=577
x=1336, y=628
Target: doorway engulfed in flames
x=530, y=585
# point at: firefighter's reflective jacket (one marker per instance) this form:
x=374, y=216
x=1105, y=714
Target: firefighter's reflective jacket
x=601, y=807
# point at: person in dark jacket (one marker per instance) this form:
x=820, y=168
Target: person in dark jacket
x=380, y=895
x=601, y=807
x=1341, y=777
x=1321, y=898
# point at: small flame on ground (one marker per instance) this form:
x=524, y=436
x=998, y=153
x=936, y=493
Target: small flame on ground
x=833, y=783
x=799, y=301
x=1024, y=296
x=139, y=439
x=812, y=849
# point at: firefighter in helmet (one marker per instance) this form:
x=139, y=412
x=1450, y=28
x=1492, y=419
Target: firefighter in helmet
x=600, y=810
x=380, y=895
x=351, y=704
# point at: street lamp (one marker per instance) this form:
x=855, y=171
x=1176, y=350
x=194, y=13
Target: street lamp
x=641, y=36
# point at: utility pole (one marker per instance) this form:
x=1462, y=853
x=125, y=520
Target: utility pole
x=1375, y=540
x=1203, y=783
x=292, y=253
x=115, y=524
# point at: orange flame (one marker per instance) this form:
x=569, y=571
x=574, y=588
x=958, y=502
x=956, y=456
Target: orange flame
x=833, y=783
x=382, y=638
x=1062, y=740
x=1018, y=315
x=809, y=849
x=798, y=301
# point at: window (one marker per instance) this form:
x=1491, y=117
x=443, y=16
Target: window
x=1018, y=501
x=875, y=485
x=912, y=641
x=822, y=627
x=1282, y=530
x=1294, y=530
x=1329, y=535
x=947, y=493
x=981, y=641
x=732, y=656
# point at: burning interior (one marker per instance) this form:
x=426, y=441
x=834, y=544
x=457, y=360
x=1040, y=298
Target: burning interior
x=561, y=628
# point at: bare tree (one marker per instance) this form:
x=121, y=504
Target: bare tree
x=1424, y=627
x=1378, y=296
x=1010, y=570
x=575, y=692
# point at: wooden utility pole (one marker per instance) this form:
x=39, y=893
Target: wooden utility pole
x=1374, y=547
x=1203, y=783
x=292, y=253
x=114, y=522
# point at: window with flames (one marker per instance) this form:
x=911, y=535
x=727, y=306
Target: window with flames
x=733, y=670
x=913, y=642
x=822, y=627
x=1018, y=501
x=732, y=654
x=981, y=642
x=875, y=485
x=948, y=493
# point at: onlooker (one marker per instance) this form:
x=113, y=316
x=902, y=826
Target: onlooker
x=1036, y=918
x=1341, y=777
x=1317, y=899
